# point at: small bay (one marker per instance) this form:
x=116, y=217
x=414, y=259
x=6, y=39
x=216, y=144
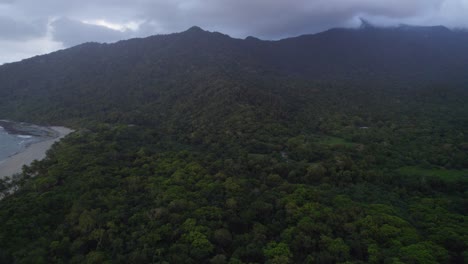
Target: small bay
x=11, y=144
x=22, y=143
x=16, y=137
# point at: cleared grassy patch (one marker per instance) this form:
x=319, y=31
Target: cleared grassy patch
x=446, y=175
x=335, y=141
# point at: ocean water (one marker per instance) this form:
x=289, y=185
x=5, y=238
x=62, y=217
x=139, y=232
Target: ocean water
x=12, y=144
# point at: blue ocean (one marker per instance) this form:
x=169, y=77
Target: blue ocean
x=12, y=144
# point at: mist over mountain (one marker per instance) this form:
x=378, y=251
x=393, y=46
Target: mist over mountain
x=349, y=145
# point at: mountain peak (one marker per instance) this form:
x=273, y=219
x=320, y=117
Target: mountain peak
x=195, y=29
x=251, y=38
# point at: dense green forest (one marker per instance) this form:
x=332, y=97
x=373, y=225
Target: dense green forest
x=349, y=146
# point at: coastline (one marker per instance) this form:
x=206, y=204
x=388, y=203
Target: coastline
x=35, y=151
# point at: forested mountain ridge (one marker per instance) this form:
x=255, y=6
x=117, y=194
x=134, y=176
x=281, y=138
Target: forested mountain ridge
x=350, y=145
x=141, y=70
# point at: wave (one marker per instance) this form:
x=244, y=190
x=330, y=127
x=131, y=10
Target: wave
x=24, y=136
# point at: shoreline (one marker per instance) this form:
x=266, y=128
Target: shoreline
x=21, y=128
x=35, y=151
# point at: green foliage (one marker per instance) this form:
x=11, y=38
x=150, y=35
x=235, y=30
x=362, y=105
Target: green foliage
x=440, y=174
x=206, y=153
x=277, y=253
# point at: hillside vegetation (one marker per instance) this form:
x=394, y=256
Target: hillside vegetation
x=348, y=146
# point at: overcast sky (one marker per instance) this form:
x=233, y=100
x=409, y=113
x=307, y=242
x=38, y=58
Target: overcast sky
x=33, y=27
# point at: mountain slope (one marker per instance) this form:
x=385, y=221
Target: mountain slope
x=344, y=146
x=141, y=71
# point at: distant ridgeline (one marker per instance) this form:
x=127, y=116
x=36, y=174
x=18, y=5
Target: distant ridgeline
x=194, y=147
x=121, y=82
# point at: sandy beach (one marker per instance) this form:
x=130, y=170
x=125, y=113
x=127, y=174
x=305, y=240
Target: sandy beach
x=36, y=151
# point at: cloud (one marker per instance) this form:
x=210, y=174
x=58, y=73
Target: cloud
x=265, y=18
x=109, y=20
x=11, y=29
x=15, y=50
x=452, y=13
x=72, y=32
x=274, y=18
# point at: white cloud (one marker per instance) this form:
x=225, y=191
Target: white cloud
x=72, y=32
x=132, y=25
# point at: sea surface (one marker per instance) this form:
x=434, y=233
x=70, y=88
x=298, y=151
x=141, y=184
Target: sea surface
x=12, y=144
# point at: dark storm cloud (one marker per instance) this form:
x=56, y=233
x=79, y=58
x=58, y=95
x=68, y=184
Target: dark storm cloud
x=274, y=18
x=265, y=18
x=268, y=19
